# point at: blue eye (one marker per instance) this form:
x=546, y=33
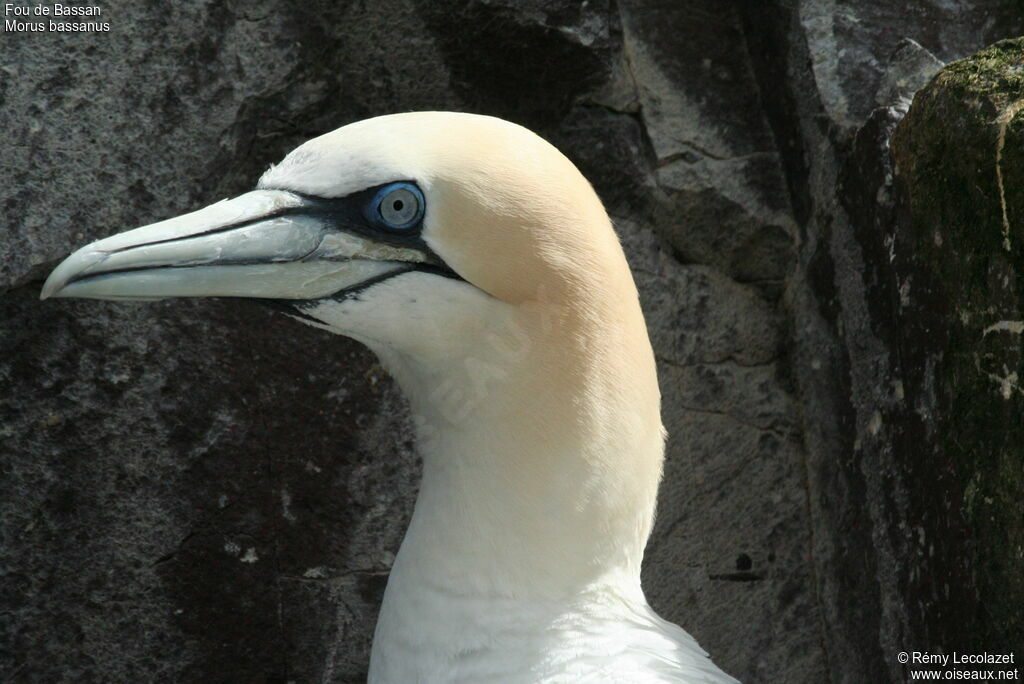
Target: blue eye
x=398, y=206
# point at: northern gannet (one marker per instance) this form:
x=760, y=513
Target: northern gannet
x=477, y=262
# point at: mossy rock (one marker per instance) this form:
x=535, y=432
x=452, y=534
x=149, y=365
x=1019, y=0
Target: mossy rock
x=958, y=255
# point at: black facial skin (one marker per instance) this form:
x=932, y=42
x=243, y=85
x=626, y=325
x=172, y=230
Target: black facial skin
x=352, y=214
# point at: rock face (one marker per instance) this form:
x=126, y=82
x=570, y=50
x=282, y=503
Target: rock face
x=957, y=266
x=204, y=491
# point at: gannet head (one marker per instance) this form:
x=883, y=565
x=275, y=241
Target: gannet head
x=406, y=231
x=464, y=198
x=477, y=262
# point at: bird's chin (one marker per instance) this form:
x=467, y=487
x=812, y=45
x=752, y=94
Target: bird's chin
x=306, y=310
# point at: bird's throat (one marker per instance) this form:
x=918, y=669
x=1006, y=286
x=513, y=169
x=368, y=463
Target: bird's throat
x=541, y=485
x=541, y=465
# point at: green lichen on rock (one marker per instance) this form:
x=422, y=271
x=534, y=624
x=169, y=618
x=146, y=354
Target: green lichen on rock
x=959, y=258
x=994, y=72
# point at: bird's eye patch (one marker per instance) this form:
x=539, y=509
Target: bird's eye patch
x=397, y=206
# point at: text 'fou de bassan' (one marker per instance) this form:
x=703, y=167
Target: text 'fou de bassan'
x=28, y=19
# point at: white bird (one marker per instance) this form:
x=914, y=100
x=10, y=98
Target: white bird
x=477, y=262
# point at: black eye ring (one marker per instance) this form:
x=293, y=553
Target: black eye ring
x=397, y=206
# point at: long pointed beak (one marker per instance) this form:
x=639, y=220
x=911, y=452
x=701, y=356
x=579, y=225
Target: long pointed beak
x=267, y=244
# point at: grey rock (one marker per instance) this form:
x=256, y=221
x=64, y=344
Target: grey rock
x=955, y=269
x=844, y=358
x=849, y=42
x=910, y=68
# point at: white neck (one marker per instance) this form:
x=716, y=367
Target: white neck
x=541, y=467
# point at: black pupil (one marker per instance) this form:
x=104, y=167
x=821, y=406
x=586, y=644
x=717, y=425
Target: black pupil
x=398, y=205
